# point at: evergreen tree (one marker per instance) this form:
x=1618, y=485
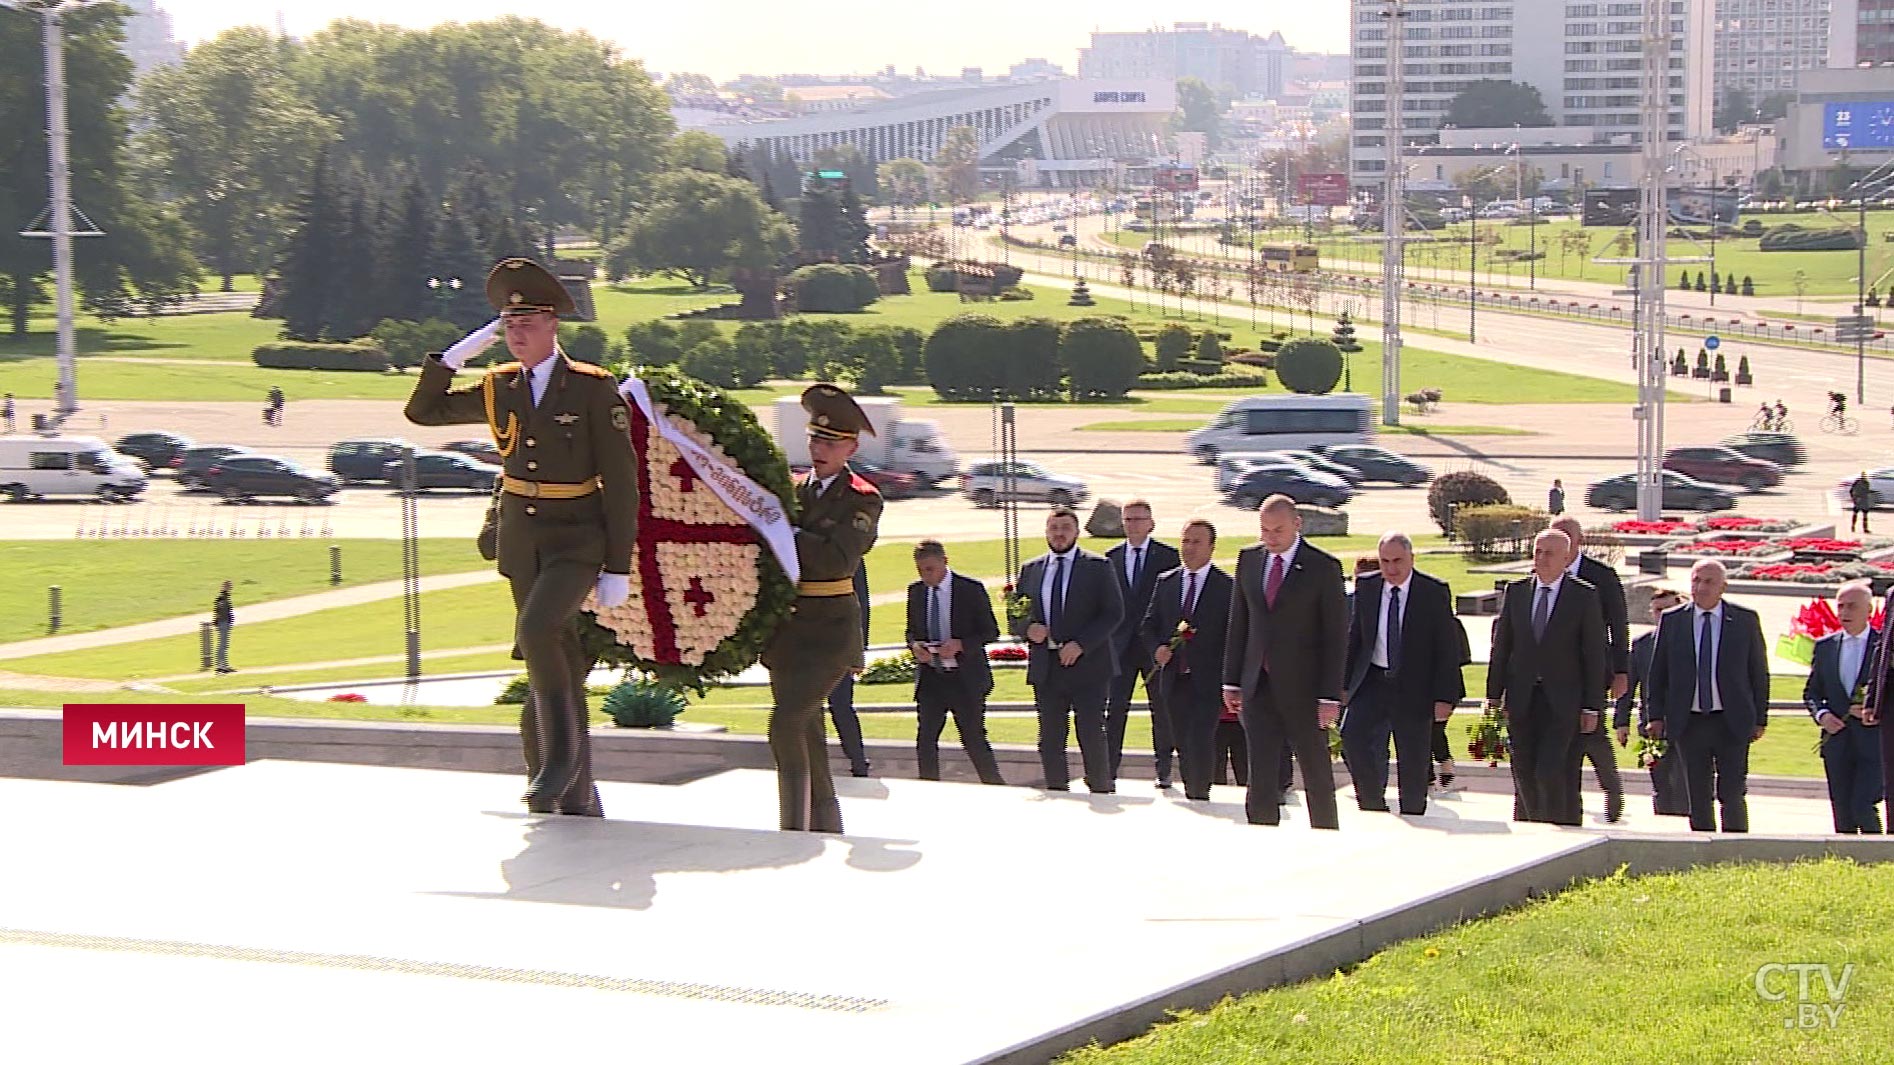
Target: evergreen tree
x=405, y=240
x=457, y=256
x=310, y=258
x=353, y=307
x=855, y=228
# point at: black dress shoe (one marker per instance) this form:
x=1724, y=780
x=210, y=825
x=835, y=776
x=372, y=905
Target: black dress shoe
x=862, y=772
x=1197, y=798
x=1163, y=785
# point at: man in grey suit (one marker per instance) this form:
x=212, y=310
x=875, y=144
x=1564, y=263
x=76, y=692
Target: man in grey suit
x=1547, y=669
x=1835, y=696
x=1282, y=661
x=1190, y=608
x=950, y=622
x=1072, y=608
x=1709, y=692
x=1137, y=563
x=1595, y=746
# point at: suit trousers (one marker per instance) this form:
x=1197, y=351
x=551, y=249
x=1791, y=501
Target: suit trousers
x=938, y=694
x=848, y=727
x=1057, y=701
x=1132, y=665
x=557, y=739
x=1195, y=702
x=1374, y=717
x=1595, y=747
x=1232, y=760
x=1546, y=758
x=1267, y=725
x=805, y=789
x=1851, y=760
x=1716, y=772
x=1670, y=795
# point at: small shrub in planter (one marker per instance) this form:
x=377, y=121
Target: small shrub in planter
x=1702, y=371
x=1742, y=371
x=643, y=704
x=1749, y=286
x=1722, y=370
x=1465, y=488
x=1498, y=528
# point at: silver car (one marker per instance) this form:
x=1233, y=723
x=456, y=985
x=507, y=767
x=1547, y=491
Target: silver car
x=985, y=484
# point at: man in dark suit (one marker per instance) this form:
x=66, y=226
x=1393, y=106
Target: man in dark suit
x=1403, y=672
x=1072, y=607
x=1548, y=668
x=848, y=725
x=1709, y=692
x=1282, y=660
x=1851, y=748
x=950, y=622
x=1137, y=563
x=1185, y=627
x=1595, y=746
x=1669, y=796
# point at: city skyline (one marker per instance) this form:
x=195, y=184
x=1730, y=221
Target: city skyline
x=736, y=37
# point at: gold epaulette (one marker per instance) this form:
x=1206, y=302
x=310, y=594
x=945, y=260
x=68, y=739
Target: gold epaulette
x=589, y=369
x=505, y=367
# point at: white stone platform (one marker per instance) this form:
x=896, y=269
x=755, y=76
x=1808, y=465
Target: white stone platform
x=293, y=911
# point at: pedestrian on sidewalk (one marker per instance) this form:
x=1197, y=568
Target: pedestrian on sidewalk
x=1555, y=499
x=1860, y=501
x=222, y=619
x=7, y=412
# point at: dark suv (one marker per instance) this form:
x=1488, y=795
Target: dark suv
x=154, y=449
x=190, y=465
x=241, y=478
x=365, y=460
x=445, y=469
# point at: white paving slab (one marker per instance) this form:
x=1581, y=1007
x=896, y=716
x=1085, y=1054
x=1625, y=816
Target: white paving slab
x=319, y=910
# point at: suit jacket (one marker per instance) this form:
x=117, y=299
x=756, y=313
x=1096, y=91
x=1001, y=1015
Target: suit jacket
x=1617, y=619
x=969, y=620
x=1203, y=655
x=1742, y=669
x=1300, y=638
x=1569, y=663
x=1093, y=611
x=1158, y=559
x=1432, y=647
x=1637, y=692
x=1824, y=690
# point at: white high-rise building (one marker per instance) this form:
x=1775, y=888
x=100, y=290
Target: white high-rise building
x=1584, y=57
x=1762, y=45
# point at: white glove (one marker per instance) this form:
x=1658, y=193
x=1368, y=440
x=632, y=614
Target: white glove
x=470, y=345
x=613, y=590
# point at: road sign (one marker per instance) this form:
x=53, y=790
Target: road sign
x=1860, y=321
x=1711, y=343
x=1324, y=190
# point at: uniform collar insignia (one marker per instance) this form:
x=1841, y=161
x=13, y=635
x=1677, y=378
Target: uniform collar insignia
x=565, y=419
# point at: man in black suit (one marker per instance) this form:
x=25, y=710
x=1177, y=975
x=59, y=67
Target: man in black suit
x=1834, y=695
x=1072, y=607
x=1185, y=627
x=1669, y=796
x=1403, y=673
x=1595, y=746
x=1548, y=669
x=1282, y=660
x=848, y=725
x=1137, y=563
x=950, y=622
x=1709, y=692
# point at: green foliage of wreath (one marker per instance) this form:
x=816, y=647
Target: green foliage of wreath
x=735, y=428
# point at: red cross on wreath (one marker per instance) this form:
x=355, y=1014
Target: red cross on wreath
x=654, y=530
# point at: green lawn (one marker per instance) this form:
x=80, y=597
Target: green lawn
x=1655, y=968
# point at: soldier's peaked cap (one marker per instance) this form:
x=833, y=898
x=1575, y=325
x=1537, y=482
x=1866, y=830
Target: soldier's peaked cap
x=834, y=414
x=524, y=285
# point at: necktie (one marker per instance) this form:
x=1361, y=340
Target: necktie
x=1542, y=612
x=1056, y=607
x=1272, y=583
x=1137, y=565
x=1394, y=630
x=1706, y=664
x=1190, y=597
x=936, y=631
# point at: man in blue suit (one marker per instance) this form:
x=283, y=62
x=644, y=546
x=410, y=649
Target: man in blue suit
x=1834, y=695
x=1072, y=607
x=1137, y=563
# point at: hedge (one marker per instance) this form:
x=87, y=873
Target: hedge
x=363, y=355
x=1170, y=381
x=833, y=288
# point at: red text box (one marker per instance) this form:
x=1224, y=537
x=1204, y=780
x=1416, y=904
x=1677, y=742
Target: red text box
x=153, y=734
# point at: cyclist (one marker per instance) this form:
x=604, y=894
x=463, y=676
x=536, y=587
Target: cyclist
x=1782, y=417
x=1765, y=418
x=1837, y=404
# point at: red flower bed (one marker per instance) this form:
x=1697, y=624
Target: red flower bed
x=1826, y=544
x=1653, y=528
x=1724, y=547
x=1011, y=652
x=1728, y=524
x=348, y=697
x=1782, y=571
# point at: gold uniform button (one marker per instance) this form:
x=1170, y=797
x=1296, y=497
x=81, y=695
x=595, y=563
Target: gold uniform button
x=532, y=465
x=531, y=510
x=530, y=442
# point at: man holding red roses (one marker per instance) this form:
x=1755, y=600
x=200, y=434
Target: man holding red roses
x=1190, y=607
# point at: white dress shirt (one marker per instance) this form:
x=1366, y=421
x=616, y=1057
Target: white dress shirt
x=1052, y=567
x=539, y=377
x=1850, y=663
x=1380, y=657
x=1288, y=561
x=1184, y=589
x=1714, y=618
x=1136, y=555
x=945, y=592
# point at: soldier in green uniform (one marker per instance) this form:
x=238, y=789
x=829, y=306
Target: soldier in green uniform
x=567, y=509
x=838, y=517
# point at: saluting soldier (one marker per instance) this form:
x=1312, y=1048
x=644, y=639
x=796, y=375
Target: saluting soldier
x=567, y=509
x=838, y=517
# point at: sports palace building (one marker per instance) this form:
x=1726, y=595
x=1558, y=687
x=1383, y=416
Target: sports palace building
x=1049, y=133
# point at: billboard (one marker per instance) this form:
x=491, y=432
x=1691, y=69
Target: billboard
x=1323, y=190
x=1693, y=207
x=1610, y=207
x=1861, y=124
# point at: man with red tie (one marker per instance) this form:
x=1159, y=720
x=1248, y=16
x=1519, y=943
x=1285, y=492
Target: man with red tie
x=1190, y=609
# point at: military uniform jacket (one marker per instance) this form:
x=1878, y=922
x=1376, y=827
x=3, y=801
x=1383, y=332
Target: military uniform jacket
x=833, y=531
x=578, y=432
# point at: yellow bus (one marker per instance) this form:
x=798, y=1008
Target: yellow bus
x=1289, y=258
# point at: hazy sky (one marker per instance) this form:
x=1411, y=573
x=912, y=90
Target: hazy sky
x=724, y=38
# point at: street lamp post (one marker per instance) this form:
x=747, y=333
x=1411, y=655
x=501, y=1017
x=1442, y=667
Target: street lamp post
x=1881, y=176
x=444, y=290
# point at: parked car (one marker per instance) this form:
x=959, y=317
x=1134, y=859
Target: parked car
x=1299, y=483
x=1721, y=465
x=364, y=460
x=481, y=450
x=1620, y=493
x=892, y=484
x=1377, y=463
x=984, y=484
x=1783, y=449
x=1322, y=464
x=154, y=450
x=445, y=469
x=191, y=464
x=241, y=478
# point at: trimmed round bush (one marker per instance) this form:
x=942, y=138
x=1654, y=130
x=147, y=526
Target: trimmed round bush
x=1102, y=358
x=1309, y=365
x=1463, y=488
x=832, y=288
x=1173, y=344
x=962, y=357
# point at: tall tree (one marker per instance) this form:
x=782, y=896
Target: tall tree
x=904, y=182
x=311, y=257
x=1198, y=111
x=696, y=150
x=1489, y=104
x=959, y=164
x=406, y=251
x=1736, y=106
x=228, y=137
x=700, y=227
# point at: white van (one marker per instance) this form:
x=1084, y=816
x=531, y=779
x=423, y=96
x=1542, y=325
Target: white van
x=36, y=467
x=1283, y=423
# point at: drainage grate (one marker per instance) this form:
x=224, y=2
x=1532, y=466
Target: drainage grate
x=747, y=996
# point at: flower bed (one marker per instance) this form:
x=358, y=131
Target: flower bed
x=1734, y=523
x=1725, y=547
x=1814, y=572
x=1634, y=527
x=1007, y=652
